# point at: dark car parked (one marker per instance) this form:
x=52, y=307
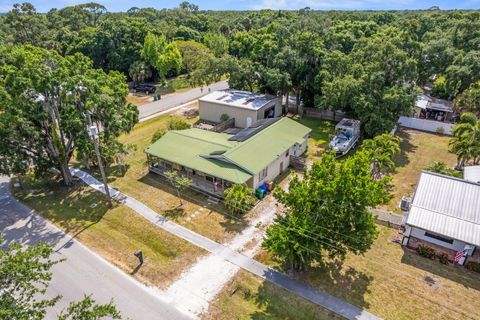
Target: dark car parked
x=142, y=87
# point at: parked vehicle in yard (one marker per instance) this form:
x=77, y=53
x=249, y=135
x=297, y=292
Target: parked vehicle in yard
x=347, y=133
x=143, y=87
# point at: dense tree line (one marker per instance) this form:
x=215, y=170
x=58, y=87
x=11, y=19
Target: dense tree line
x=368, y=64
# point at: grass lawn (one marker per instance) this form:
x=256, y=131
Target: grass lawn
x=113, y=233
x=249, y=297
x=322, y=132
x=395, y=283
x=210, y=220
x=418, y=150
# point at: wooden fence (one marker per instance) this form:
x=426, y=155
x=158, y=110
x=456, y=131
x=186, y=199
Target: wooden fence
x=222, y=126
x=324, y=114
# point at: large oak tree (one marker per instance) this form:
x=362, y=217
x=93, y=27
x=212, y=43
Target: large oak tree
x=44, y=100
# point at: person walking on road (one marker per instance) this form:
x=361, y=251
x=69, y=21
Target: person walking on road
x=201, y=89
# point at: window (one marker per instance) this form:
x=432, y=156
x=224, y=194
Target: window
x=438, y=237
x=263, y=173
x=288, y=153
x=209, y=178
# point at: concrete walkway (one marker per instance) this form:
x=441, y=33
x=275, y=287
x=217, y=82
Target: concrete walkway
x=155, y=108
x=338, y=306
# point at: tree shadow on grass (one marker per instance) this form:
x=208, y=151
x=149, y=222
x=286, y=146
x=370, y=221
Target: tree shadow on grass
x=74, y=208
x=456, y=273
x=406, y=148
x=68, y=207
x=344, y=283
x=174, y=213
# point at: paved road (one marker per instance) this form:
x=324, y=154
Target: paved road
x=83, y=271
x=173, y=100
x=318, y=297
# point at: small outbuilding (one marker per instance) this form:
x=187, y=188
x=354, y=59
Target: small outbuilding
x=430, y=108
x=245, y=107
x=445, y=215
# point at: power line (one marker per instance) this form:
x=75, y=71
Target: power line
x=301, y=233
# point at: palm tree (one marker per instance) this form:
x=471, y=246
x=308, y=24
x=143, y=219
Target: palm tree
x=465, y=142
x=139, y=71
x=382, y=149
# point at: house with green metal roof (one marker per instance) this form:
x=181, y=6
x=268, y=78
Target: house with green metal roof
x=214, y=161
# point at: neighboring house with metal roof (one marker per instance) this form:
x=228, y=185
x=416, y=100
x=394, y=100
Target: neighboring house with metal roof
x=428, y=107
x=214, y=161
x=445, y=212
x=472, y=173
x=245, y=107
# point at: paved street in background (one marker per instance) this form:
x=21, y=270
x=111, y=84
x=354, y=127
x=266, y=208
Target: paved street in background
x=176, y=99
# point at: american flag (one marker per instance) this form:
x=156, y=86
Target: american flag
x=459, y=255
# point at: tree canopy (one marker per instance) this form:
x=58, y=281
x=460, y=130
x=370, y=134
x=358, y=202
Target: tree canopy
x=44, y=101
x=370, y=64
x=327, y=212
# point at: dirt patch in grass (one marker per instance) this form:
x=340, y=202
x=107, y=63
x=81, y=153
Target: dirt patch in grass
x=418, y=150
x=250, y=297
x=391, y=282
x=113, y=233
x=139, y=99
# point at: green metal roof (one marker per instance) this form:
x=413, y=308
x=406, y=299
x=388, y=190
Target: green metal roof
x=257, y=152
x=212, y=152
x=188, y=148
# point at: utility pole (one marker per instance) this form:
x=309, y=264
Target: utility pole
x=93, y=133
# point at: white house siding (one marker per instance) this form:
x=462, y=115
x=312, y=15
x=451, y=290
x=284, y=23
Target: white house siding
x=274, y=167
x=420, y=234
x=426, y=125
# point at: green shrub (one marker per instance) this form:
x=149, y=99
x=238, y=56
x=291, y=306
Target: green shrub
x=472, y=265
x=443, y=258
x=239, y=199
x=158, y=134
x=224, y=117
x=440, y=130
x=426, y=252
x=175, y=123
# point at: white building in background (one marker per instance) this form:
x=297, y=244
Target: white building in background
x=445, y=215
x=472, y=173
x=245, y=107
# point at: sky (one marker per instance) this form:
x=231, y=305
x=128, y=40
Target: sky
x=123, y=5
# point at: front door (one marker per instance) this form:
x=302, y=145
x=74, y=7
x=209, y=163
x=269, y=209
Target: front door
x=281, y=167
x=249, y=122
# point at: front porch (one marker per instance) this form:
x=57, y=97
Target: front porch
x=201, y=182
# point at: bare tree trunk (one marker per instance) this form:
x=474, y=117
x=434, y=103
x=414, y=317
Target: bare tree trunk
x=298, y=100
x=286, y=103
x=66, y=174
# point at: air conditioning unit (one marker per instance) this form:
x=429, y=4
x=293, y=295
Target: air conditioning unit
x=405, y=203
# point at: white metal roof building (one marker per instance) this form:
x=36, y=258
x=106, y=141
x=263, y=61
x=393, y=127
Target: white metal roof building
x=245, y=107
x=445, y=212
x=472, y=173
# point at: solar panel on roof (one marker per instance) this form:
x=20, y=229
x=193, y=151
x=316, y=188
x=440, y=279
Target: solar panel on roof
x=258, y=126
